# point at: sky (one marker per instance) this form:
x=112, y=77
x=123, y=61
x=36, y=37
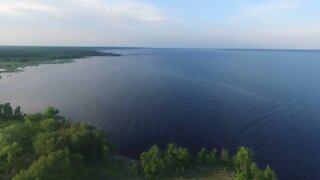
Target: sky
x=276, y=24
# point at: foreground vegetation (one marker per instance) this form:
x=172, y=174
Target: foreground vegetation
x=13, y=57
x=47, y=146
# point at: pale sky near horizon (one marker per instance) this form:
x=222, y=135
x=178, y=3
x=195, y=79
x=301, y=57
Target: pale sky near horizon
x=163, y=23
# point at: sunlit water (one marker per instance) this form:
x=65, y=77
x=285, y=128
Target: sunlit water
x=266, y=100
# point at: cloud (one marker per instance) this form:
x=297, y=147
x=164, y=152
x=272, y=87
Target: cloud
x=80, y=22
x=128, y=9
x=270, y=11
x=16, y=8
x=271, y=7
x=133, y=9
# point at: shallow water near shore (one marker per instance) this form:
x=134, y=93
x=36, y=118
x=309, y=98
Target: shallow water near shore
x=266, y=100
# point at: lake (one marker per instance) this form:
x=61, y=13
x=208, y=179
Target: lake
x=266, y=100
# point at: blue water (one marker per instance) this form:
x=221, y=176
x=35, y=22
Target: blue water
x=266, y=100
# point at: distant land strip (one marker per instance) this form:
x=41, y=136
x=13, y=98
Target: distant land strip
x=14, y=58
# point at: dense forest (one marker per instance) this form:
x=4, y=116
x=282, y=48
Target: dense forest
x=48, y=146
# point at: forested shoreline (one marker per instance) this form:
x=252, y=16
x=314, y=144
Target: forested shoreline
x=48, y=146
x=15, y=57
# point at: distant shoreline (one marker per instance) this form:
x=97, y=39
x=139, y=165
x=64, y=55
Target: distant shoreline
x=15, y=58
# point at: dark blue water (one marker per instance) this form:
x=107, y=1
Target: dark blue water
x=266, y=100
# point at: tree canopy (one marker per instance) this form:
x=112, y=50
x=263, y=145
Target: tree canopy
x=47, y=146
x=177, y=160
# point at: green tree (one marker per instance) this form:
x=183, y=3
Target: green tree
x=1, y=112
x=269, y=174
x=56, y=165
x=17, y=113
x=152, y=162
x=19, y=133
x=225, y=157
x=47, y=142
x=87, y=141
x=50, y=125
x=177, y=159
x=78, y=138
x=7, y=110
x=33, y=120
x=12, y=158
x=243, y=161
x=16, y=147
x=201, y=157
x=211, y=158
x=205, y=158
x=51, y=113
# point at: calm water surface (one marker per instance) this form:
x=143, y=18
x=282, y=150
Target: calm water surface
x=266, y=100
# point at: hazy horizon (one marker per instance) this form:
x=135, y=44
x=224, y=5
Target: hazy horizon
x=248, y=24
x=191, y=48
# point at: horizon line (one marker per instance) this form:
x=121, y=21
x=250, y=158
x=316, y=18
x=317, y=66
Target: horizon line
x=142, y=47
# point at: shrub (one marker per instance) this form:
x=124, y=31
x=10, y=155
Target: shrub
x=177, y=159
x=152, y=162
x=205, y=158
x=201, y=157
x=246, y=168
x=211, y=159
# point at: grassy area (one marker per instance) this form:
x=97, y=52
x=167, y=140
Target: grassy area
x=14, y=57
